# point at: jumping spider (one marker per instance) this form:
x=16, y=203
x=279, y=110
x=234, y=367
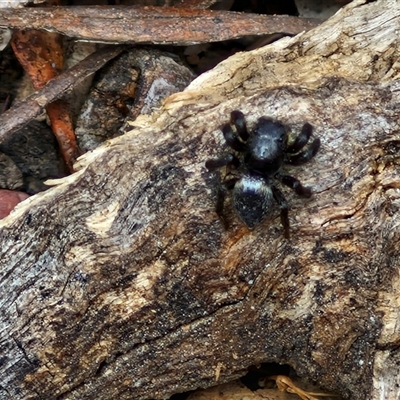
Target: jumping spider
x=261, y=154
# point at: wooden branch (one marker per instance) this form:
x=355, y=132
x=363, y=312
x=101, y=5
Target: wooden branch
x=156, y=25
x=23, y=112
x=121, y=282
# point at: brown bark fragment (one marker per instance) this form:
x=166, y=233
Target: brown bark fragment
x=41, y=55
x=62, y=126
x=121, y=282
x=155, y=25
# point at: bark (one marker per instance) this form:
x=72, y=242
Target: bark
x=151, y=25
x=121, y=281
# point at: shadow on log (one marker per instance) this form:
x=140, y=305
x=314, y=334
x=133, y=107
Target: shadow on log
x=121, y=282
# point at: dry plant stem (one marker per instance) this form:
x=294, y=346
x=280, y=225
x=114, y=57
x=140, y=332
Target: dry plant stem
x=285, y=384
x=155, y=25
x=41, y=55
x=20, y=114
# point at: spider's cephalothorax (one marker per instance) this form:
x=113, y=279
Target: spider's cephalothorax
x=261, y=154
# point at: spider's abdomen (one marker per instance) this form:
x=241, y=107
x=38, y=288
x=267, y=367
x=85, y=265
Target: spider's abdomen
x=252, y=198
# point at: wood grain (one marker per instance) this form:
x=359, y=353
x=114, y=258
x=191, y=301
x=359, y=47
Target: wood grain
x=155, y=25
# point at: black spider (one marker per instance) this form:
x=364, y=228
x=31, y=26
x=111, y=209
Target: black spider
x=262, y=152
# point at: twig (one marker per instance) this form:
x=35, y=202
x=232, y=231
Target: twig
x=19, y=115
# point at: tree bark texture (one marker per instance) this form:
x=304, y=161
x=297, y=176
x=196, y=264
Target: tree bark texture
x=121, y=281
x=150, y=25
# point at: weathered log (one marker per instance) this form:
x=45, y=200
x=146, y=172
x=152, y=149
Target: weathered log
x=121, y=282
x=151, y=25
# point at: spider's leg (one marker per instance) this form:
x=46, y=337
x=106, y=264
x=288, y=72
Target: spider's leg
x=215, y=163
x=232, y=139
x=306, y=155
x=280, y=199
x=301, y=140
x=219, y=208
x=224, y=185
x=238, y=119
x=294, y=184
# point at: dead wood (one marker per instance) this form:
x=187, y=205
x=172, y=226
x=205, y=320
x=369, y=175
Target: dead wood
x=150, y=25
x=23, y=112
x=197, y=4
x=121, y=282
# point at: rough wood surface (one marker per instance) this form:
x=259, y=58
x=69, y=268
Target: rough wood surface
x=121, y=282
x=155, y=25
